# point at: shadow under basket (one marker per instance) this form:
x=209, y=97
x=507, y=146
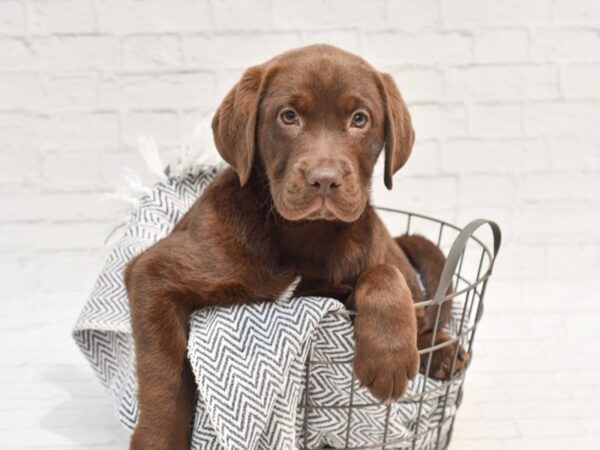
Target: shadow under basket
x=424, y=417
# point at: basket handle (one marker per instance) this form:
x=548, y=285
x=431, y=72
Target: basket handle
x=456, y=251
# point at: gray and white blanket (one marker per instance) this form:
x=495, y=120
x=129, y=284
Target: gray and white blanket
x=250, y=361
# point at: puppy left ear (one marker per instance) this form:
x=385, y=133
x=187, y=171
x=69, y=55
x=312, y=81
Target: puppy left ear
x=399, y=132
x=234, y=123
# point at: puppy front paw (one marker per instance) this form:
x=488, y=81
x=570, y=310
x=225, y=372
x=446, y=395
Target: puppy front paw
x=384, y=362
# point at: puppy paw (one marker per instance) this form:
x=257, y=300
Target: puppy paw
x=384, y=362
x=442, y=359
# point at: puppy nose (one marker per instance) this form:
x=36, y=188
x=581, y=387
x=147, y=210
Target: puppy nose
x=324, y=178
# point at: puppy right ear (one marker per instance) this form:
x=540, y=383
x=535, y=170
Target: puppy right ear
x=234, y=123
x=399, y=134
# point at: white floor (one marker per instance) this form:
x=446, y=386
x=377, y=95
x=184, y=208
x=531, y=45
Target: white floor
x=534, y=382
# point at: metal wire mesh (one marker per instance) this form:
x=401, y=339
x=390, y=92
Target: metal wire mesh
x=468, y=267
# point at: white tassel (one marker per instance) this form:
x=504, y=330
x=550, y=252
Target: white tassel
x=132, y=189
x=128, y=194
x=149, y=150
x=289, y=292
x=197, y=153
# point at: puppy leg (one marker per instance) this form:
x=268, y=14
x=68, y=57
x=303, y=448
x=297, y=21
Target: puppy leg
x=428, y=260
x=166, y=385
x=442, y=359
x=165, y=284
x=166, y=388
x=385, y=332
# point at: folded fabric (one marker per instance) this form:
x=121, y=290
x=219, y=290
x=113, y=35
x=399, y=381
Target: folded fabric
x=255, y=388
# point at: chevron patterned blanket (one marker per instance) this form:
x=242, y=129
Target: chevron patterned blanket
x=255, y=391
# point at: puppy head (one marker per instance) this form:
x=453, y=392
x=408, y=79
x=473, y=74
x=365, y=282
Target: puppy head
x=315, y=120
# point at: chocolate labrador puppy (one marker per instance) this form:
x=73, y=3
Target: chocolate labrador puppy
x=302, y=133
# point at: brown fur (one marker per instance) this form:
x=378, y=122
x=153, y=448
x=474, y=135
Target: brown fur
x=294, y=202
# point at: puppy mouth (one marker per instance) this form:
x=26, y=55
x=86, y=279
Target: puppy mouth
x=322, y=213
x=321, y=208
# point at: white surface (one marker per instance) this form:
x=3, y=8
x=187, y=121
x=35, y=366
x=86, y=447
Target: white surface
x=506, y=104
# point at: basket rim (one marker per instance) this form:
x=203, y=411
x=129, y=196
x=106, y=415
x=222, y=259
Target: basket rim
x=482, y=277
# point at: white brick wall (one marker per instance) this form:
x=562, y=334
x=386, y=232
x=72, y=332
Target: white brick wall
x=505, y=96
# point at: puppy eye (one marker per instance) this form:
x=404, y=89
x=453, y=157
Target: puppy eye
x=359, y=120
x=289, y=117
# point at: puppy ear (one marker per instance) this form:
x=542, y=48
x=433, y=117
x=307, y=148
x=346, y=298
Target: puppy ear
x=234, y=123
x=399, y=133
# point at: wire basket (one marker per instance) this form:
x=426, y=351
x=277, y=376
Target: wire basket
x=424, y=417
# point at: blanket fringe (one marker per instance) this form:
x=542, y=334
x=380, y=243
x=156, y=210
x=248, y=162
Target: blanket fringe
x=149, y=151
x=196, y=153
